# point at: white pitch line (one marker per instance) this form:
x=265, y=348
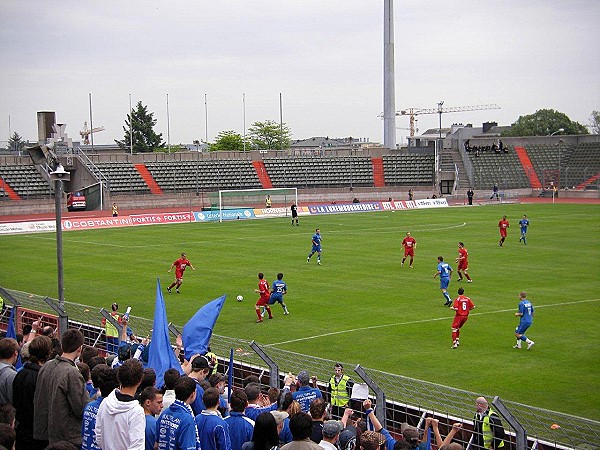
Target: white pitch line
x=437, y=319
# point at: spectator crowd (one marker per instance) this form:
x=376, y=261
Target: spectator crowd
x=61, y=394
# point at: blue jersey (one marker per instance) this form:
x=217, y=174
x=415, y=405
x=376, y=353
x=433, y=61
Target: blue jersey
x=279, y=288
x=316, y=241
x=444, y=269
x=88, y=434
x=524, y=223
x=176, y=428
x=526, y=308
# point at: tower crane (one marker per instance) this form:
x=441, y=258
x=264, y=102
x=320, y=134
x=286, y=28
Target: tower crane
x=86, y=132
x=412, y=112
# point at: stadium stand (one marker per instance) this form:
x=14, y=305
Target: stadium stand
x=582, y=165
x=123, y=178
x=320, y=171
x=409, y=169
x=24, y=180
x=179, y=176
x=504, y=169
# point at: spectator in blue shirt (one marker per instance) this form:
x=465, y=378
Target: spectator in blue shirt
x=213, y=431
x=241, y=427
x=151, y=400
x=175, y=427
x=306, y=393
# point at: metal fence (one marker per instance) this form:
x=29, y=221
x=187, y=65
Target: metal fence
x=398, y=398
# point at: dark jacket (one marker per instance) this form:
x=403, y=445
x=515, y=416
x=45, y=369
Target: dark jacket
x=23, y=392
x=60, y=397
x=495, y=425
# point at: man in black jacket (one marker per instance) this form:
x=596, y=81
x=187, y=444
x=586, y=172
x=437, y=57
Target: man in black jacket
x=488, y=432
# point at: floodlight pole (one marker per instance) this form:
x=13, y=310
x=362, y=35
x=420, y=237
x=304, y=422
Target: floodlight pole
x=58, y=189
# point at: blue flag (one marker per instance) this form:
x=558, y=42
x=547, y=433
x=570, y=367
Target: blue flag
x=160, y=355
x=428, y=443
x=198, y=331
x=11, y=332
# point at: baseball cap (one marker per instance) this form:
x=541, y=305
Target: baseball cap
x=303, y=377
x=199, y=363
x=279, y=416
x=332, y=428
x=348, y=438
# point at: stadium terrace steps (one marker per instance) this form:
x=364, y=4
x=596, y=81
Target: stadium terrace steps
x=528, y=167
x=590, y=180
x=378, y=173
x=149, y=179
x=9, y=191
x=263, y=175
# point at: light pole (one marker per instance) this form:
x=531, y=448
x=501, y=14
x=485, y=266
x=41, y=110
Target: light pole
x=560, y=130
x=58, y=176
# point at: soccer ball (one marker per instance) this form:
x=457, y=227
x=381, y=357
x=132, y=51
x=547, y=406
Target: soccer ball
x=239, y=298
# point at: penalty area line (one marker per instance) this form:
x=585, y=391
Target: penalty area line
x=412, y=322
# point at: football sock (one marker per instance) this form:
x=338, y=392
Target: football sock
x=468, y=277
x=411, y=261
x=524, y=338
x=258, y=314
x=447, y=297
x=269, y=311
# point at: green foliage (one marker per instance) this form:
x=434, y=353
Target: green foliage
x=145, y=139
x=228, y=140
x=269, y=135
x=595, y=122
x=15, y=143
x=360, y=306
x=543, y=123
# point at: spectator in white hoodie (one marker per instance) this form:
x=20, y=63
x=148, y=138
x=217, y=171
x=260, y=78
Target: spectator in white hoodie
x=121, y=423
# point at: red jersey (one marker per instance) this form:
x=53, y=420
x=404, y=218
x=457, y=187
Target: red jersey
x=503, y=225
x=463, y=256
x=462, y=305
x=180, y=266
x=263, y=287
x=409, y=242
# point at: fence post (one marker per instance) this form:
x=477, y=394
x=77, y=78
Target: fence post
x=521, y=434
x=273, y=369
x=380, y=411
x=174, y=330
x=63, y=318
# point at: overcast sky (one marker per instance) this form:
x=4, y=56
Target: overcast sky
x=324, y=56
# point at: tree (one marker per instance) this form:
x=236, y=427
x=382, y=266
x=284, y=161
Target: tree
x=228, y=140
x=543, y=123
x=142, y=124
x=595, y=122
x=15, y=143
x=269, y=135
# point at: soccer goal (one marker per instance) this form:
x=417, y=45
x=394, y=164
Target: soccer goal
x=278, y=199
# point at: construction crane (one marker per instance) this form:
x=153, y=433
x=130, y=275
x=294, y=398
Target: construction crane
x=412, y=112
x=86, y=132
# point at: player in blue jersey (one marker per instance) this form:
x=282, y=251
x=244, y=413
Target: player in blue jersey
x=526, y=311
x=444, y=271
x=316, y=246
x=524, y=223
x=278, y=290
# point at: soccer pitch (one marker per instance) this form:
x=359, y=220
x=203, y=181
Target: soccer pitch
x=360, y=306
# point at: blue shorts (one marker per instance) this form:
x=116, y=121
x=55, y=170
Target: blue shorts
x=522, y=328
x=275, y=299
x=444, y=282
x=316, y=248
x=523, y=230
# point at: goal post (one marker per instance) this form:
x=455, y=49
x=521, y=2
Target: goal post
x=253, y=198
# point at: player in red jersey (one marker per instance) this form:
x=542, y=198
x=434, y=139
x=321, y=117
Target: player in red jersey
x=409, y=243
x=503, y=225
x=263, y=300
x=462, y=305
x=180, y=266
x=463, y=262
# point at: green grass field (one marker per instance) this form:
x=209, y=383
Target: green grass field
x=360, y=305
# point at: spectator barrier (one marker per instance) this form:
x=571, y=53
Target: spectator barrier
x=398, y=398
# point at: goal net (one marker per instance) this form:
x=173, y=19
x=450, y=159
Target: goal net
x=277, y=198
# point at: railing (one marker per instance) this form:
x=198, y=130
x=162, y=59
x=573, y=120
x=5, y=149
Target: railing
x=399, y=398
